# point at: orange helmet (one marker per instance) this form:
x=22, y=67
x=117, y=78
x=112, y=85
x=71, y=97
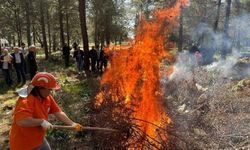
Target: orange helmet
x=46, y=80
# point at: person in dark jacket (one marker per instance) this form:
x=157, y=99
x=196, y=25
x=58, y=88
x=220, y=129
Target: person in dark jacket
x=105, y=60
x=24, y=51
x=93, y=58
x=193, y=49
x=99, y=59
x=75, y=45
x=31, y=60
x=6, y=63
x=66, y=54
x=79, y=56
x=18, y=63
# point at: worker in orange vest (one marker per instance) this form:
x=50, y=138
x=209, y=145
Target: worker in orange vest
x=30, y=117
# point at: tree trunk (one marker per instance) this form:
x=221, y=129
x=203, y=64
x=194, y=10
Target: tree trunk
x=9, y=38
x=14, y=40
x=0, y=47
x=34, y=34
x=17, y=27
x=107, y=28
x=45, y=46
x=49, y=30
x=61, y=23
x=82, y=13
x=67, y=28
x=102, y=40
x=228, y=11
x=180, y=41
x=96, y=31
x=33, y=24
x=120, y=41
x=54, y=41
x=20, y=33
x=238, y=6
x=225, y=49
x=27, y=10
x=217, y=16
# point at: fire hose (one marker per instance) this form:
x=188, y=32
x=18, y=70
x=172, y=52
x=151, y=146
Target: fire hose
x=85, y=128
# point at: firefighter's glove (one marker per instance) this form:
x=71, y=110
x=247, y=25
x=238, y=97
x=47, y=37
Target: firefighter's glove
x=77, y=127
x=46, y=125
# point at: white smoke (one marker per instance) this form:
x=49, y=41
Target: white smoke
x=211, y=44
x=183, y=66
x=224, y=67
x=240, y=32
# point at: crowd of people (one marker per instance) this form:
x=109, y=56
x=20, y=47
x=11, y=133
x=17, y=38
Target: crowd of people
x=22, y=60
x=98, y=58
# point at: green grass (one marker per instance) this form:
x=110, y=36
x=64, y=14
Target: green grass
x=77, y=88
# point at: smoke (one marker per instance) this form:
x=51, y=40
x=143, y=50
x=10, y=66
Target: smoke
x=210, y=43
x=225, y=68
x=215, y=45
x=234, y=67
x=240, y=32
x=183, y=67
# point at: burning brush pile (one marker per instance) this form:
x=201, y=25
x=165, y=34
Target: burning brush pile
x=208, y=109
x=131, y=97
x=130, y=135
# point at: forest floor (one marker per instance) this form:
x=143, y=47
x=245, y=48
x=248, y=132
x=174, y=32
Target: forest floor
x=208, y=111
x=210, y=108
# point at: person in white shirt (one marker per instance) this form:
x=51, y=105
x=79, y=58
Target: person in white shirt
x=6, y=63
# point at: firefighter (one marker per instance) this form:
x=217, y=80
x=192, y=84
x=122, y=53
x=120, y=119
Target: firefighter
x=30, y=117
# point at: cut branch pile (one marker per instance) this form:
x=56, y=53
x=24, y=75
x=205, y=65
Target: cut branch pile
x=119, y=116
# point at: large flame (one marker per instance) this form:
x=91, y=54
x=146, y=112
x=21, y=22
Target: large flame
x=135, y=72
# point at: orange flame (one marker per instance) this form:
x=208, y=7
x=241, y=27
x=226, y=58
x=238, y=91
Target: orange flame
x=135, y=71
